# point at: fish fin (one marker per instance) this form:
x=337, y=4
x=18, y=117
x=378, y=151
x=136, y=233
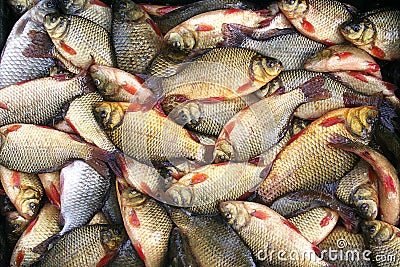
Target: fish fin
x=264, y=173
x=313, y=90
x=232, y=35
x=353, y=100
x=98, y=159
x=41, y=46
x=43, y=247
x=388, y=115
x=342, y=142
x=208, y=153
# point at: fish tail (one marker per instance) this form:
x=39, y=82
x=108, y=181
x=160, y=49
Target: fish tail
x=99, y=159
x=233, y=36
x=208, y=153
x=353, y=100
x=313, y=90
x=42, y=247
x=41, y=46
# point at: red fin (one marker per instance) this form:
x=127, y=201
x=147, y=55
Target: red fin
x=326, y=220
x=133, y=219
x=232, y=11
x=266, y=22
x=198, y=178
x=130, y=89
x=245, y=196
x=244, y=87
x=154, y=26
x=221, y=163
x=145, y=188
x=139, y=250
x=215, y=99
x=263, y=12
x=16, y=179
x=290, y=225
x=157, y=107
x=12, y=128
x=254, y=161
x=30, y=226
x=318, y=251
x=3, y=106
x=379, y=53
x=264, y=173
x=193, y=137
x=343, y=55
x=177, y=176
x=67, y=48
x=279, y=91
x=20, y=257
x=358, y=75
x=229, y=128
x=67, y=120
x=328, y=42
x=75, y=137
x=105, y=260
x=373, y=67
x=44, y=127
x=166, y=9
x=307, y=26
x=204, y=27
x=331, y=121
x=54, y=196
x=133, y=107
x=296, y=136
x=259, y=214
x=98, y=2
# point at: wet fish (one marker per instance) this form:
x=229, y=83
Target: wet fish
x=24, y=190
x=375, y=32
x=212, y=242
x=319, y=20
x=289, y=46
x=158, y=10
x=383, y=240
x=386, y=175
x=293, y=169
x=147, y=224
x=15, y=225
x=111, y=207
x=93, y=10
x=21, y=6
x=256, y=128
x=81, y=118
x=42, y=227
x=34, y=149
x=147, y=135
x=126, y=256
x=315, y=224
x=16, y=65
x=179, y=252
x=39, y=101
x=136, y=38
x=343, y=58
x=51, y=185
x=264, y=230
x=103, y=242
x=79, y=41
x=205, y=30
x=167, y=62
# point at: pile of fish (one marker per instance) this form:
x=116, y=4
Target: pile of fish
x=217, y=133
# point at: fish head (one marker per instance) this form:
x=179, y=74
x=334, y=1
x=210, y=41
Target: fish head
x=102, y=78
x=56, y=25
x=179, y=195
x=182, y=40
x=377, y=232
x=43, y=8
x=30, y=201
x=264, y=69
x=359, y=31
x=73, y=6
x=366, y=201
x=361, y=121
x=236, y=214
x=110, y=114
x=188, y=113
x=270, y=88
x=293, y=8
x=127, y=10
x=16, y=222
x=133, y=197
x=112, y=238
x=223, y=151
x=20, y=6
x=318, y=60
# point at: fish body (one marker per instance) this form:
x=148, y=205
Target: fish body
x=79, y=41
x=212, y=242
x=39, y=101
x=51, y=185
x=44, y=226
x=343, y=58
x=375, y=32
x=21, y=6
x=167, y=62
x=319, y=20
x=15, y=225
x=264, y=231
x=15, y=65
x=136, y=38
x=111, y=206
x=127, y=256
x=296, y=166
x=179, y=252
x=24, y=190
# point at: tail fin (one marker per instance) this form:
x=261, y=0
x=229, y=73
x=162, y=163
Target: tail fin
x=100, y=158
x=42, y=247
x=41, y=46
x=233, y=36
x=313, y=91
x=356, y=100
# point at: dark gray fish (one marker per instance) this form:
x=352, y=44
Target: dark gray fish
x=179, y=253
x=127, y=256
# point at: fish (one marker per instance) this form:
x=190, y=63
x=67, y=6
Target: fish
x=205, y=30
x=315, y=224
x=179, y=253
x=42, y=227
x=175, y=17
x=41, y=100
x=126, y=256
x=342, y=96
x=167, y=62
x=93, y=10
x=259, y=126
x=212, y=242
x=103, y=242
x=34, y=149
x=158, y=10
x=147, y=224
x=117, y=85
x=375, y=32
x=319, y=20
x=386, y=175
x=51, y=185
x=17, y=63
x=21, y=6
x=79, y=41
x=347, y=243
x=390, y=144
x=358, y=189
x=24, y=190
x=147, y=135
x=136, y=38
x=207, y=75
x=82, y=120
x=287, y=45
x=265, y=232
x=343, y=58
x=111, y=207
x=382, y=239
x=15, y=225
x=83, y=191
x=295, y=169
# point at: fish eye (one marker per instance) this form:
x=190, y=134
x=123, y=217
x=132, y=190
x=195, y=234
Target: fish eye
x=50, y=4
x=103, y=114
x=97, y=82
x=123, y=4
x=14, y=226
x=370, y=120
x=271, y=64
x=356, y=28
x=176, y=44
x=19, y=8
x=32, y=206
x=364, y=207
x=291, y=2
x=53, y=19
x=228, y=215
